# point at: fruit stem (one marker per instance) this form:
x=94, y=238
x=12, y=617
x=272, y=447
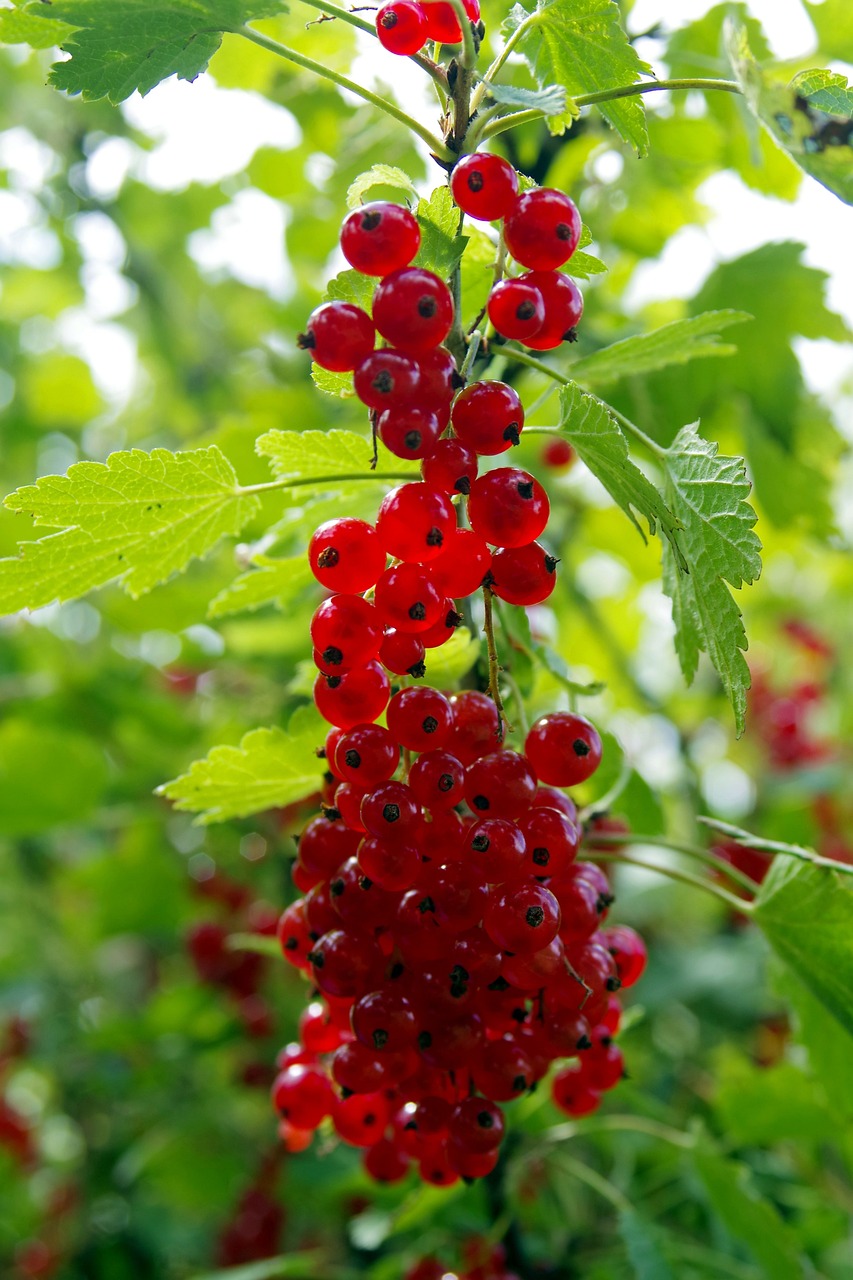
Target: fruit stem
x=435, y=144
x=432, y=69
x=594, y=1180
x=289, y=482
x=689, y=850
x=685, y=877
x=468, y=60
x=616, y=1124
x=750, y=841
x=471, y=354
x=504, y=725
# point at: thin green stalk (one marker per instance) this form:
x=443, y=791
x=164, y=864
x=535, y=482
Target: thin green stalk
x=685, y=877
x=618, y=1124
x=656, y=86
x=638, y=433
x=468, y=58
x=287, y=483
x=750, y=841
x=471, y=354
x=521, y=713
x=594, y=1180
x=504, y=725
x=511, y=121
x=438, y=74
x=434, y=143
x=689, y=851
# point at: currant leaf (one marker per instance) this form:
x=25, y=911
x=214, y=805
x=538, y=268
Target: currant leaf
x=376, y=181
x=137, y=519
x=324, y=456
x=271, y=768
x=441, y=244
x=271, y=580
x=38, y=30
x=694, y=338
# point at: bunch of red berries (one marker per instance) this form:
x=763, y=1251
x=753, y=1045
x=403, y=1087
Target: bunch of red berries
x=481, y=1261
x=404, y=26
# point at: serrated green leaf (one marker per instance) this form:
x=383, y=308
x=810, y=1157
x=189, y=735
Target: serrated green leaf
x=707, y=493
x=581, y=45
x=271, y=581
x=351, y=286
x=39, y=32
x=806, y=914
x=550, y=100
x=641, y=1241
x=136, y=519
x=271, y=768
x=811, y=118
x=441, y=244
x=320, y=456
x=380, y=176
x=599, y=442
x=118, y=49
x=694, y=338
x=746, y=1216
x=332, y=384
x=451, y=661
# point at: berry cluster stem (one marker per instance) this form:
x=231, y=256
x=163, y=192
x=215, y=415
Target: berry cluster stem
x=494, y=664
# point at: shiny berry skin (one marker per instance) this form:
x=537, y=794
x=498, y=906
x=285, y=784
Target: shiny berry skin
x=366, y=755
x=503, y=1071
x=477, y=1124
x=303, y=1095
x=552, y=841
x=451, y=467
x=523, y=575
x=348, y=798
x=420, y=719
x=484, y=186
x=358, y=696
x=347, y=631
x=439, y=378
x=403, y=653
x=380, y=237
x=462, y=565
x=508, y=507
x=413, y=309
x=557, y=454
x=572, y=1094
x=393, y=865
x=316, y=1029
x=442, y=22
x=345, y=964
x=402, y=27
x=496, y=848
x=542, y=229
x=628, y=951
x=346, y=555
x=537, y=969
x=521, y=917
x=361, y=1119
x=338, y=335
x=414, y=522
x=294, y=935
x=441, y=631
x=476, y=727
x=563, y=303
x=324, y=844
x=390, y=812
x=516, y=309
x=437, y=780
x=407, y=599
x=500, y=785
x=387, y=378
x=488, y=417
x=563, y=749
x=383, y=1021
x=579, y=904
x=385, y=1162
x=410, y=432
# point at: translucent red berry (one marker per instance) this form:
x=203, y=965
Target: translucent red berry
x=358, y=696
x=402, y=26
x=563, y=304
x=508, y=507
x=523, y=575
x=380, y=238
x=542, y=229
x=407, y=598
x=419, y=719
x=488, y=417
x=403, y=653
x=347, y=631
x=499, y=785
x=338, y=335
x=346, y=555
x=366, y=755
x=413, y=309
x=410, y=432
x=521, y=917
x=437, y=780
x=484, y=186
x=451, y=467
x=462, y=565
x=387, y=378
x=516, y=309
x=564, y=749
x=414, y=522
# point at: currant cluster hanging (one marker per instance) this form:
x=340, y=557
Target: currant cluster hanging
x=455, y=939
x=404, y=26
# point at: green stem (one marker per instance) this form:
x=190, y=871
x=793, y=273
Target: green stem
x=594, y=1180
x=512, y=121
x=468, y=59
x=435, y=144
x=689, y=850
x=523, y=722
x=471, y=354
x=437, y=73
x=637, y=433
x=685, y=877
x=517, y=35
x=618, y=1124
x=750, y=841
x=288, y=483
x=504, y=725
x=656, y=86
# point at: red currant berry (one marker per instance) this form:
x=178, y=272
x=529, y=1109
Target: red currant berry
x=413, y=309
x=463, y=564
x=563, y=309
x=516, y=309
x=358, y=696
x=366, y=755
x=316, y=1029
x=393, y=865
x=552, y=840
x=294, y=935
x=579, y=905
x=537, y=970
x=385, y=1162
x=442, y=22
x=450, y=468
x=441, y=631
x=346, y=964
x=402, y=27
x=348, y=798
x=420, y=719
x=500, y=785
x=488, y=417
x=523, y=575
x=403, y=653
x=551, y=798
x=542, y=229
x=521, y=917
x=410, y=432
x=338, y=335
x=387, y=378
x=484, y=186
x=436, y=1168
x=476, y=727
x=359, y=1069
x=628, y=951
x=564, y=749
x=380, y=238
x=357, y=901
x=390, y=812
x=346, y=631
x=303, y=1095
x=437, y=780
x=414, y=522
x=362, y=1118
x=439, y=378
x=346, y=555
x=508, y=507
x=572, y=1094
x=557, y=454
x=503, y=1071
x=407, y=599
x=477, y=1124
x=496, y=849
x=384, y=1021
x=324, y=844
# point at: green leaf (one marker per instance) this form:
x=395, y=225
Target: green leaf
x=39, y=32
x=441, y=244
x=760, y=1105
x=811, y=118
x=694, y=338
x=828, y=1043
x=707, y=492
x=382, y=177
x=746, y=1216
x=271, y=581
x=452, y=660
x=599, y=442
x=117, y=50
x=351, y=286
x=557, y=666
x=550, y=100
x=332, y=384
x=271, y=768
x=833, y=22
x=304, y=456
x=48, y=777
x=581, y=45
x=136, y=519
x=641, y=1241
x=806, y=914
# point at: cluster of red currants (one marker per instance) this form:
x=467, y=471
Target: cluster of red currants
x=481, y=1261
x=404, y=26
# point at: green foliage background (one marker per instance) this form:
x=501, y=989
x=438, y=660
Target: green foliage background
x=718, y=1157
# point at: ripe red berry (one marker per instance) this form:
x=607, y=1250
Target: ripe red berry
x=523, y=575
x=346, y=631
x=516, y=309
x=402, y=27
x=390, y=812
x=420, y=719
x=499, y=785
x=628, y=951
x=572, y=1094
x=552, y=840
x=348, y=798
x=384, y=1021
x=462, y=565
x=563, y=303
x=324, y=844
x=385, y=1162
x=441, y=631
x=294, y=935
x=403, y=653
x=366, y=755
x=413, y=309
x=303, y=1095
x=407, y=598
x=508, y=507
x=338, y=335
x=477, y=1125
x=564, y=749
x=361, y=1119
x=495, y=847
x=484, y=186
x=358, y=696
x=410, y=432
x=451, y=467
x=503, y=1071
x=437, y=780
x=521, y=917
x=380, y=238
x=392, y=864
x=439, y=378
x=476, y=727
x=387, y=378
x=542, y=229
x=316, y=1029
x=442, y=22
x=346, y=555
x=414, y=522
x=557, y=453
x=344, y=963
x=488, y=417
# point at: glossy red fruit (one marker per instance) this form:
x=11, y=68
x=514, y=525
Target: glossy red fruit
x=628, y=951
x=303, y=1095
x=439, y=378
x=552, y=841
x=390, y=812
x=516, y=309
x=499, y=785
x=477, y=1125
x=407, y=598
x=442, y=22
x=339, y=335
x=385, y=1162
x=508, y=507
x=563, y=749
x=294, y=935
x=572, y=1094
x=484, y=186
x=347, y=801
x=410, y=432
x=358, y=696
x=316, y=1029
x=403, y=653
x=413, y=308
x=392, y=864
x=346, y=555
x=521, y=917
x=451, y=467
x=384, y=1021
x=462, y=565
x=503, y=1070
x=542, y=229
x=366, y=755
x=441, y=631
x=387, y=378
x=488, y=417
x=558, y=454
x=346, y=631
x=523, y=575
x=361, y=1119
x=563, y=303
x=476, y=727
x=380, y=237
x=437, y=780
x=420, y=719
x=402, y=27
x=414, y=522
x=324, y=844
x=344, y=963
x=496, y=848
